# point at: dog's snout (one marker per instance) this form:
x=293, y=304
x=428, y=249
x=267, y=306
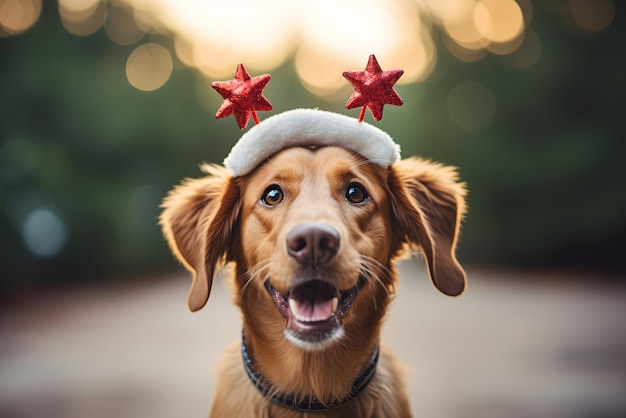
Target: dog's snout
x=313, y=243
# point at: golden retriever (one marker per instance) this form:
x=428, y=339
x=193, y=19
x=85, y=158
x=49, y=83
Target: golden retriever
x=313, y=234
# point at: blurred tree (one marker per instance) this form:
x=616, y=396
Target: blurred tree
x=85, y=158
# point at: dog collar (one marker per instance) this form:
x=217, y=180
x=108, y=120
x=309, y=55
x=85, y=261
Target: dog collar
x=307, y=403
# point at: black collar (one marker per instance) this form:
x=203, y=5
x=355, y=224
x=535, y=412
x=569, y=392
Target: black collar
x=306, y=404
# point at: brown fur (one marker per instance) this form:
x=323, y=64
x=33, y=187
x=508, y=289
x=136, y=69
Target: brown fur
x=415, y=203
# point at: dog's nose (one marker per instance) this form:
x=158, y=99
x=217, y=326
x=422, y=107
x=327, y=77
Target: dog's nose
x=313, y=243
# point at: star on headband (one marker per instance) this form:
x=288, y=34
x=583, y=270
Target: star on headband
x=373, y=89
x=243, y=96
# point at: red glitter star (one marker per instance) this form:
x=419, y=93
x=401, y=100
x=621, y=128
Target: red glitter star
x=373, y=88
x=243, y=96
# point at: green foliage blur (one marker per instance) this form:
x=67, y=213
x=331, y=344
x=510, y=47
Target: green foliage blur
x=86, y=157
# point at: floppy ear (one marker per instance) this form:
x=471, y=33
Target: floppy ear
x=198, y=219
x=428, y=203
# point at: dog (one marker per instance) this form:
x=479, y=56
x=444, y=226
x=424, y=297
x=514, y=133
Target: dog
x=313, y=234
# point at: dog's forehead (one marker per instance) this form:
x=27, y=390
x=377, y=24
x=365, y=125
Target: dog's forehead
x=298, y=166
x=299, y=162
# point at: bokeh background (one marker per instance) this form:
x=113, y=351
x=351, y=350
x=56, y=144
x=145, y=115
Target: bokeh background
x=105, y=105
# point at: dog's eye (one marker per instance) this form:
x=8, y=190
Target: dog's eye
x=356, y=193
x=272, y=196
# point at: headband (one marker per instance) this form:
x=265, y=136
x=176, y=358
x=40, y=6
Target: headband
x=243, y=97
x=310, y=127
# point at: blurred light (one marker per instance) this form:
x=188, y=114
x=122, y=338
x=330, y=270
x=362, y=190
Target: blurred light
x=494, y=25
x=16, y=16
x=347, y=32
x=79, y=6
x=416, y=55
x=446, y=10
x=149, y=66
x=82, y=17
x=507, y=47
x=462, y=29
x=462, y=52
x=183, y=50
x=325, y=37
x=44, y=233
x=143, y=16
x=121, y=27
x=471, y=106
x=394, y=34
x=499, y=21
x=527, y=10
x=222, y=34
x=319, y=71
x=215, y=60
x=593, y=15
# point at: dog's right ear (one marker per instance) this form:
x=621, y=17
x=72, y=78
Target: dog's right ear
x=198, y=219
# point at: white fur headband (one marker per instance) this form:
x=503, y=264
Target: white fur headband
x=310, y=127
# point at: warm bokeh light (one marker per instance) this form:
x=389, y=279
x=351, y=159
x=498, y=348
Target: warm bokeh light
x=78, y=6
x=219, y=35
x=495, y=26
x=16, y=16
x=325, y=37
x=353, y=31
x=499, y=21
x=593, y=15
x=149, y=66
x=82, y=18
x=463, y=52
x=121, y=27
x=463, y=31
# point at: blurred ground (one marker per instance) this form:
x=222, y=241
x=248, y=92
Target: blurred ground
x=553, y=346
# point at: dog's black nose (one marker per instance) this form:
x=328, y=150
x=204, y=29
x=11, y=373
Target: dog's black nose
x=313, y=243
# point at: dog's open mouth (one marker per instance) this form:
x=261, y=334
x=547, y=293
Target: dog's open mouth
x=314, y=310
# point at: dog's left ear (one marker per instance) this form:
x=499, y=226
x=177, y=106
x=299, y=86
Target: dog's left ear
x=198, y=221
x=429, y=204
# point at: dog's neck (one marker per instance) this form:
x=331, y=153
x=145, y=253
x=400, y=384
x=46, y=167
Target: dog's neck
x=326, y=374
x=306, y=403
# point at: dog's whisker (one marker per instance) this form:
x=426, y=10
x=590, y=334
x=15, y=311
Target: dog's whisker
x=256, y=273
x=378, y=272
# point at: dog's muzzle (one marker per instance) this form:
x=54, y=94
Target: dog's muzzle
x=314, y=308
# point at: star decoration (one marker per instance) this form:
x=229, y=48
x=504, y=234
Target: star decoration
x=243, y=96
x=373, y=88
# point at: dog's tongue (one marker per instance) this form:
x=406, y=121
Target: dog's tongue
x=313, y=311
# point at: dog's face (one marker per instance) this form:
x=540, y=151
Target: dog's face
x=316, y=231
x=313, y=233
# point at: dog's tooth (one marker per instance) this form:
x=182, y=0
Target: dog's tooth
x=294, y=306
x=335, y=303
